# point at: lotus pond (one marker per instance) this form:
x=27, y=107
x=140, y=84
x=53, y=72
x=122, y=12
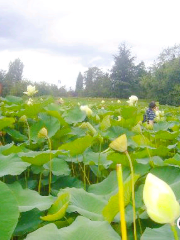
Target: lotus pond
x=58, y=176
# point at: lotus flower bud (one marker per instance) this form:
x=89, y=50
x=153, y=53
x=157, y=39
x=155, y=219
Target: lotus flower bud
x=91, y=129
x=30, y=101
x=137, y=128
x=162, y=206
x=43, y=133
x=119, y=144
x=97, y=118
x=86, y=109
x=23, y=118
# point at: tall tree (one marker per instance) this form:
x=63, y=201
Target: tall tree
x=102, y=86
x=163, y=82
x=13, y=78
x=90, y=76
x=122, y=72
x=15, y=71
x=79, y=85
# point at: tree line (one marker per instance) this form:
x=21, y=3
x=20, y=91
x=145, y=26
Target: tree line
x=13, y=83
x=160, y=82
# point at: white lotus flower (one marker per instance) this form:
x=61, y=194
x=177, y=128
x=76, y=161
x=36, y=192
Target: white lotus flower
x=162, y=206
x=159, y=116
x=30, y=101
x=102, y=101
x=118, y=101
x=86, y=109
x=60, y=101
x=119, y=118
x=159, y=113
x=132, y=100
x=30, y=90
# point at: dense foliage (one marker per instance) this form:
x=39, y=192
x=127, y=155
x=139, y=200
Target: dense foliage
x=160, y=82
x=58, y=175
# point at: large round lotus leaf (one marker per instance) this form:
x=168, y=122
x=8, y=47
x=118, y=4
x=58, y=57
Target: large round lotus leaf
x=59, y=167
x=6, y=122
x=38, y=157
x=81, y=229
x=78, y=146
x=75, y=115
x=28, y=222
x=112, y=207
x=86, y=204
x=52, y=124
x=9, y=212
x=109, y=186
x=12, y=165
x=28, y=199
x=16, y=135
x=162, y=233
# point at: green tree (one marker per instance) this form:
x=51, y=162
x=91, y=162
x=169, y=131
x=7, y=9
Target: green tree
x=123, y=73
x=13, y=78
x=79, y=85
x=90, y=77
x=15, y=71
x=163, y=81
x=102, y=86
x=140, y=72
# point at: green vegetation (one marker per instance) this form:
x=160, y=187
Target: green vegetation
x=58, y=175
x=159, y=82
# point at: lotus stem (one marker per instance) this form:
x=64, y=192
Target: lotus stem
x=84, y=173
x=28, y=131
x=121, y=202
x=173, y=228
x=39, y=185
x=50, y=165
x=133, y=194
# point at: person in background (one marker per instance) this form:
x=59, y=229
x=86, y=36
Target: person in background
x=150, y=113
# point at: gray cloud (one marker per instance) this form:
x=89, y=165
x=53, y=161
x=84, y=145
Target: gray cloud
x=18, y=32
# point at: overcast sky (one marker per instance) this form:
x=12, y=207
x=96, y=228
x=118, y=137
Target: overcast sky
x=56, y=39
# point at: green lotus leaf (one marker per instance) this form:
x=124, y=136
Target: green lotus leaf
x=82, y=229
x=109, y=186
x=78, y=146
x=74, y=115
x=166, y=135
x=162, y=233
x=59, y=167
x=6, y=122
x=12, y=165
x=29, y=199
x=28, y=222
x=9, y=212
x=16, y=135
x=38, y=157
x=86, y=204
x=112, y=208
